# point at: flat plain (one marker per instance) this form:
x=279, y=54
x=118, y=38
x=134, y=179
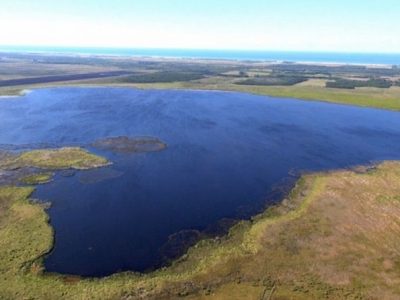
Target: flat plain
x=363, y=85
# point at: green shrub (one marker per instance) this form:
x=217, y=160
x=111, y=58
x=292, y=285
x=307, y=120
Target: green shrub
x=352, y=84
x=162, y=76
x=273, y=80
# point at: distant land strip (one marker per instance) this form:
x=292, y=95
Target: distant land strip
x=56, y=78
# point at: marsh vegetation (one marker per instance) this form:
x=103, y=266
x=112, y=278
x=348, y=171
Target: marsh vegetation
x=63, y=158
x=124, y=144
x=151, y=204
x=335, y=235
x=312, y=230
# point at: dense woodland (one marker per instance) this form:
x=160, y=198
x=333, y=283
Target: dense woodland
x=273, y=80
x=352, y=84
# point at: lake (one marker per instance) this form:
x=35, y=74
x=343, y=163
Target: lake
x=228, y=156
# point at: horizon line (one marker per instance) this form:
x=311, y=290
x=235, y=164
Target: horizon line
x=197, y=49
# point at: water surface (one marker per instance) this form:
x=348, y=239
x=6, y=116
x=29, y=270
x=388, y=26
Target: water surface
x=227, y=152
x=252, y=55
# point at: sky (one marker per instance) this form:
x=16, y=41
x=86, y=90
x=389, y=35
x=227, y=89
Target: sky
x=290, y=25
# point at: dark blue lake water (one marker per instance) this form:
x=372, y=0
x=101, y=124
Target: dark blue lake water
x=227, y=153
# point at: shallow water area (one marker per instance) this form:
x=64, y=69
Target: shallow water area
x=227, y=153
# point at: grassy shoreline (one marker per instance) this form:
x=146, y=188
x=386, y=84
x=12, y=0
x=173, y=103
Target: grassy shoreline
x=388, y=99
x=293, y=250
x=360, y=84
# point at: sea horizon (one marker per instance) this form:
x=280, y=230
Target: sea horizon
x=217, y=54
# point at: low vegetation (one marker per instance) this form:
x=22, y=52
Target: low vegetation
x=352, y=84
x=273, y=80
x=336, y=70
x=38, y=178
x=336, y=236
x=63, y=158
x=163, y=76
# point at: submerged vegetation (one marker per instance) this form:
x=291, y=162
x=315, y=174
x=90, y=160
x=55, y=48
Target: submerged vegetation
x=335, y=236
x=124, y=144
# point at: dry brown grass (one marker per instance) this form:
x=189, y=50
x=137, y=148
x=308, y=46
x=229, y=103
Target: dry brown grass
x=337, y=236
x=345, y=245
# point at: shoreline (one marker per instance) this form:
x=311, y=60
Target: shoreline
x=156, y=86
x=326, y=82
x=19, y=93
x=244, y=244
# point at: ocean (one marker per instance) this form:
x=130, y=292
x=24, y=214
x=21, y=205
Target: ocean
x=251, y=55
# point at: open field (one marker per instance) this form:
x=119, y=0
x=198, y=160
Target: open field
x=370, y=86
x=59, y=78
x=336, y=236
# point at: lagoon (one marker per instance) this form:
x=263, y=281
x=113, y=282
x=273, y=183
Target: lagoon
x=228, y=156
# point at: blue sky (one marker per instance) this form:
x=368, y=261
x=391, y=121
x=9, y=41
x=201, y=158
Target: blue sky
x=309, y=25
